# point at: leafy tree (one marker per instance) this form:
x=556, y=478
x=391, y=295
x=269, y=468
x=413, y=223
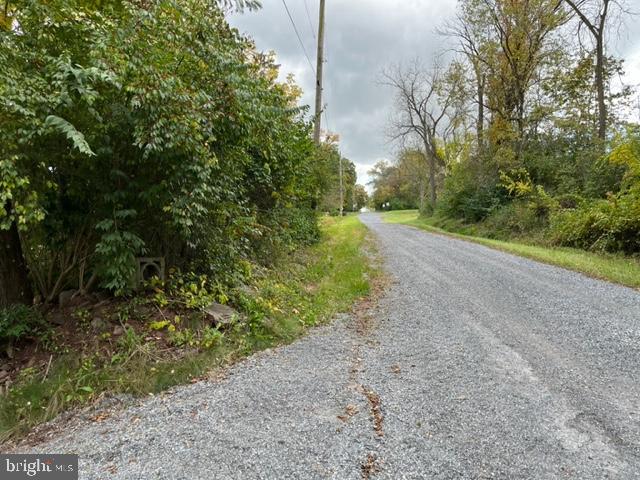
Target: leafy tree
x=143, y=127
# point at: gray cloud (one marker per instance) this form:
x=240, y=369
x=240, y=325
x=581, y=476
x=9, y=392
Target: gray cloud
x=363, y=37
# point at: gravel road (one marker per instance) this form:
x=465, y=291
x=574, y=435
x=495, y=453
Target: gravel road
x=475, y=364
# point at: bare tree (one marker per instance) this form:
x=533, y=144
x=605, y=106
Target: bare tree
x=423, y=106
x=594, y=15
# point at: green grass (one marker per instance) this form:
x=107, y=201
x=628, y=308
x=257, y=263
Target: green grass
x=617, y=269
x=300, y=291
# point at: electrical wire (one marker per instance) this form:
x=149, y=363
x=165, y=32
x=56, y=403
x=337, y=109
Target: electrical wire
x=313, y=29
x=295, y=29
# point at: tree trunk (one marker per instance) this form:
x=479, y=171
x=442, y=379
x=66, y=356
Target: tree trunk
x=480, y=122
x=14, y=280
x=432, y=177
x=432, y=182
x=422, y=188
x=602, y=106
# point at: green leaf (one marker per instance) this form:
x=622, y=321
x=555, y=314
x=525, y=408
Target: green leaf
x=76, y=137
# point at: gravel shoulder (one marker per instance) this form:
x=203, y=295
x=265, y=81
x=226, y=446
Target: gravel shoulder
x=475, y=364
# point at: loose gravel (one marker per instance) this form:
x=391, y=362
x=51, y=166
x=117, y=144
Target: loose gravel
x=477, y=364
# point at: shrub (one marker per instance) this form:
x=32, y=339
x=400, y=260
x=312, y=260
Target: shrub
x=607, y=225
x=569, y=201
x=18, y=322
x=282, y=230
x=516, y=218
x=466, y=197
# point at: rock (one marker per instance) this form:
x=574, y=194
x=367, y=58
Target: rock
x=221, y=314
x=3, y=374
x=64, y=299
x=118, y=330
x=98, y=324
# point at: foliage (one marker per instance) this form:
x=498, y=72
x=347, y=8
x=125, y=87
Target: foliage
x=154, y=127
x=470, y=193
x=18, y=322
x=328, y=163
x=614, y=268
x=402, y=184
x=529, y=154
x=281, y=308
x=611, y=224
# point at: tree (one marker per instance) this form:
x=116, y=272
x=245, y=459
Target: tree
x=132, y=127
x=14, y=285
x=360, y=197
x=520, y=47
x=594, y=15
x=424, y=113
x=471, y=29
x=401, y=184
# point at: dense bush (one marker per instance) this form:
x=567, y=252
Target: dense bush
x=283, y=230
x=466, y=197
x=146, y=128
x=612, y=224
x=608, y=225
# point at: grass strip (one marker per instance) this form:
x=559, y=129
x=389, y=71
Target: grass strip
x=613, y=268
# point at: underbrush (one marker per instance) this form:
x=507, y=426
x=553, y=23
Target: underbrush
x=165, y=337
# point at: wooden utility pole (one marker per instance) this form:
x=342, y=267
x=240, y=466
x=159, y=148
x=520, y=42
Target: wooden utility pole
x=320, y=62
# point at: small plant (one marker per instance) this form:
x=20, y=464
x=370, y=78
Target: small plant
x=183, y=338
x=159, y=325
x=129, y=342
x=18, y=322
x=210, y=337
x=83, y=318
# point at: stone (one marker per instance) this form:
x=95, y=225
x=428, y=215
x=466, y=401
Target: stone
x=221, y=314
x=118, y=330
x=98, y=324
x=64, y=299
x=3, y=374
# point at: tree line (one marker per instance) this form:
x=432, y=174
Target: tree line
x=525, y=130
x=144, y=128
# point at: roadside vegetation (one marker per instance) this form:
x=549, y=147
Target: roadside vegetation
x=160, y=201
x=611, y=267
x=526, y=137
x=162, y=337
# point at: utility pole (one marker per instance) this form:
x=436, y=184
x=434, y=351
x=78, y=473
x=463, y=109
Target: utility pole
x=320, y=62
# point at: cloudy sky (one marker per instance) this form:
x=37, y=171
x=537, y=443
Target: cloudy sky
x=361, y=38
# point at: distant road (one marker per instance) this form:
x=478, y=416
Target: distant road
x=476, y=364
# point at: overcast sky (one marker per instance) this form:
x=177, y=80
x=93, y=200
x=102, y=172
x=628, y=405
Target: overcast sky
x=361, y=38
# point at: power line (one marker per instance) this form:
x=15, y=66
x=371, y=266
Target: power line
x=313, y=30
x=295, y=29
